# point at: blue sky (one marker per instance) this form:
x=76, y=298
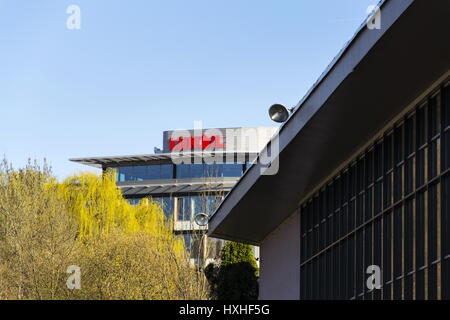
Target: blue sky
x=139, y=67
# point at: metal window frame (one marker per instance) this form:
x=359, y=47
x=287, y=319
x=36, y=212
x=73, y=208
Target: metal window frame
x=388, y=207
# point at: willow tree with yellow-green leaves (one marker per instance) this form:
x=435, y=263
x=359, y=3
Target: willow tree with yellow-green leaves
x=100, y=208
x=123, y=251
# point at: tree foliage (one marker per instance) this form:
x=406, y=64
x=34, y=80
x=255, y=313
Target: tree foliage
x=236, y=276
x=124, y=251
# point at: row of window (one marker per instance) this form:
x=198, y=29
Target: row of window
x=166, y=203
x=186, y=207
x=141, y=173
x=181, y=171
x=391, y=208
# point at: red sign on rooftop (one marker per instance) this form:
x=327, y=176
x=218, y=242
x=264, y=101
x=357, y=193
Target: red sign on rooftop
x=203, y=142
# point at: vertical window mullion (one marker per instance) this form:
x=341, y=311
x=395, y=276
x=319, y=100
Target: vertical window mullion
x=389, y=207
x=387, y=256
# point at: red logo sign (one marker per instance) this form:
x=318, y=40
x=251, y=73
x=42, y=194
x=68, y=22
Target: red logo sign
x=196, y=143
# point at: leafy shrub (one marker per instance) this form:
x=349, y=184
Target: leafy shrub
x=236, y=276
x=123, y=251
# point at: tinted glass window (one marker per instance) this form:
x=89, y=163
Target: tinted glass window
x=214, y=170
x=197, y=170
x=408, y=240
x=166, y=171
x=152, y=172
x=179, y=213
x=183, y=171
x=126, y=173
x=133, y=201
x=213, y=203
x=198, y=205
x=167, y=206
x=446, y=107
x=232, y=170
x=141, y=173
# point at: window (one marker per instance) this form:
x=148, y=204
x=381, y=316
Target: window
x=183, y=209
x=167, y=206
x=133, y=201
x=388, y=207
x=152, y=172
x=142, y=173
x=387, y=255
x=183, y=171
x=206, y=170
x=190, y=206
x=187, y=238
x=166, y=171
x=446, y=130
x=445, y=270
x=214, y=170
x=166, y=203
x=212, y=203
x=232, y=169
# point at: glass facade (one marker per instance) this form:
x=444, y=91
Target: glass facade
x=189, y=206
x=166, y=203
x=181, y=171
x=389, y=207
x=193, y=241
x=184, y=207
x=141, y=173
x=203, y=170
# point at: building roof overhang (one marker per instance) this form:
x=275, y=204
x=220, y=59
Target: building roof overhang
x=375, y=77
x=161, y=158
x=156, y=188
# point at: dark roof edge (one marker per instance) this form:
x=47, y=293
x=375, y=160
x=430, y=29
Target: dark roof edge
x=329, y=71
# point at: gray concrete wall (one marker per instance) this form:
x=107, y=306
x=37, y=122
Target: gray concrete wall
x=280, y=262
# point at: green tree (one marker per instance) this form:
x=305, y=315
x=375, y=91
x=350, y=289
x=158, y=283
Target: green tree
x=237, y=276
x=123, y=251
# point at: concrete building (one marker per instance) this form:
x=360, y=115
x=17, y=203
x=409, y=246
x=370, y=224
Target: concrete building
x=190, y=175
x=364, y=171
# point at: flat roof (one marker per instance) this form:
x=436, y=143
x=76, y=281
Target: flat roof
x=142, y=159
x=376, y=75
x=156, y=188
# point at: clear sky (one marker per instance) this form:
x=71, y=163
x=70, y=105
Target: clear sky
x=139, y=67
